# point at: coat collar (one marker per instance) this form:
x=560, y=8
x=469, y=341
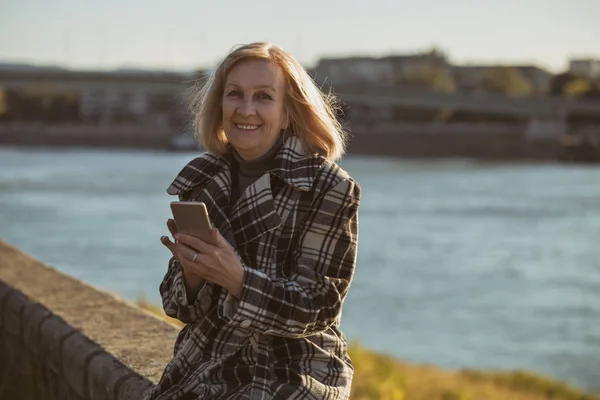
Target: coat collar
x=292, y=164
x=250, y=217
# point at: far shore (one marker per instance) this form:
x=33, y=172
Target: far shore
x=499, y=144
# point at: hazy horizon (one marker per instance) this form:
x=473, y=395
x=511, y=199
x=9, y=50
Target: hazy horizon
x=185, y=35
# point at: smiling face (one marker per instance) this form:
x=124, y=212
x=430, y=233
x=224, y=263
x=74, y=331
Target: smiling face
x=253, y=107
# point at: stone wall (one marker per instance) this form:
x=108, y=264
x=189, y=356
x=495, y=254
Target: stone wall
x=63, y=339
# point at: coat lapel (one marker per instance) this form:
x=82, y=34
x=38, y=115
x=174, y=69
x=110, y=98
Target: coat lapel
x=216, y=196
x=260, y=209
x=208, y=179
x=254, y=214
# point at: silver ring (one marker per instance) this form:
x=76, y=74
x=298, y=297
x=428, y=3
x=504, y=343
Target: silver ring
x=195, y=256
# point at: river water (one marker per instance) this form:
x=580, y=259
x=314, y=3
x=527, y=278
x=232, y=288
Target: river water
x=461, y=264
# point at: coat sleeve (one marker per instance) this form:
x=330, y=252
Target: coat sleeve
x=175, y=299
x=310, y=300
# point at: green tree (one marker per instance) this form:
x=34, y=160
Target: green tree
x=558, y=83
x=507, y=80
x=573, y=86
x=434, y=77
x=3, y=104
x=577, y=87
x=594, y=92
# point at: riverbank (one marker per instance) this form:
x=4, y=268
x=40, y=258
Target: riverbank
x=495, y=142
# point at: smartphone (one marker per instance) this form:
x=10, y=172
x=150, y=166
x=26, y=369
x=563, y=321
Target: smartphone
x=192, y=219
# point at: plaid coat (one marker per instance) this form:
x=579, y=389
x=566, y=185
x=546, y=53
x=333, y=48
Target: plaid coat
x=295, y=230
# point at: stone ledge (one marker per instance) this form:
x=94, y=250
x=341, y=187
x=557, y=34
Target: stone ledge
x=90, y=339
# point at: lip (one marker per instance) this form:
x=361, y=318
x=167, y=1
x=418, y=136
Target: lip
x=236, y=125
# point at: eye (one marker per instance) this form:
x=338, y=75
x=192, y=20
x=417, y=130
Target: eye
x=264, y=96
x=234, y=93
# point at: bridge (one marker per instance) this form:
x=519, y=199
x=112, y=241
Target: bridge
x=69, y=81
x=138, y=85
x=489, y=103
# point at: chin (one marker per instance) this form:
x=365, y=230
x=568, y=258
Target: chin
x=241, y=144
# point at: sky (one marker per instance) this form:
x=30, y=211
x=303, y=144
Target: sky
x=185, y=35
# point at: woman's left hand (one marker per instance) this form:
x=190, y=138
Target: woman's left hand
x=217, y=263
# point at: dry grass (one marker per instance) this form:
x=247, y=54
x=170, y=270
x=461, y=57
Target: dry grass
x=382, y=377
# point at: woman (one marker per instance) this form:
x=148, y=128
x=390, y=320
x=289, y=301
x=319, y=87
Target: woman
x=263, y=302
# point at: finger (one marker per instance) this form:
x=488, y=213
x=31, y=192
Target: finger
x=179, y=251
x=172, y=226
x=168, y=244
x=203, y=260
x=189, y=254
x=166, y=241
x=193, y=242
x=218, y=239
x=173, y=246
x=186, y=254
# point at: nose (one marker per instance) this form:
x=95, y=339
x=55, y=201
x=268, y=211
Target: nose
x=246, y=108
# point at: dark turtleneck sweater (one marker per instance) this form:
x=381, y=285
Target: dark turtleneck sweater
x=245, y=173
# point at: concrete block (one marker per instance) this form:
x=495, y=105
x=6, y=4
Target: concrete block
x=53, y=332
x=51, y=383
x=12, y=306
x=33, y=317
x=146, y=388
x=104, y=374
x=67, y=393
x=53, y=360
x=5, y=291
x=133, y=388
x=77, y=352
x=10, y=361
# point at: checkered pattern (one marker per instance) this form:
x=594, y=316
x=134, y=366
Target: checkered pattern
x=295, y=229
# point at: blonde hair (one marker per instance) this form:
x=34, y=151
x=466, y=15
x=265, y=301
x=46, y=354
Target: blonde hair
x=311, y=113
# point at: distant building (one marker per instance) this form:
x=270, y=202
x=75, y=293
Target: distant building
x=585, y=68
x=539, y=77
x=470, y=77
x=389, y=70
x=410, y=68
x=106, y=97
x=353, y=70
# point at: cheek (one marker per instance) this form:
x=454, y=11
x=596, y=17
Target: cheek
x=273, y=116
x=228, y=110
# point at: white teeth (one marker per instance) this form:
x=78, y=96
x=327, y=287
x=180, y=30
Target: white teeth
x=247, y=127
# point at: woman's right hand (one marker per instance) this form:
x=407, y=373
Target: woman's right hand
x=192, y=280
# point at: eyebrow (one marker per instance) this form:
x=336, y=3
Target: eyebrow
x=256, y=87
